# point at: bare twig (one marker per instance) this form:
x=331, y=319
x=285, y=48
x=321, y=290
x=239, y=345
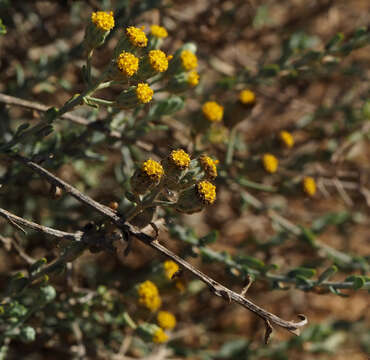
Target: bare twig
x=40, y=228
x=247, y=284
x=216, y=288
x=11, y=100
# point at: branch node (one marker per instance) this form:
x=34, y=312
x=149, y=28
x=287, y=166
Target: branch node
x=247, y=283
x=268, y=331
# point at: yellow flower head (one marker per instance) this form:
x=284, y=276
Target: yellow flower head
x=103, y=20
x=149, y=295
x=309, y=186
x=170, y=268
x=247, y=97
x=152, y=169
x=209, y=166
x=166, y=320
x=286, y=139
x=127, y=63
x=213, y=111
x=158, y=60
x=158, y=31
x=136, y=36
x=180, y=159
x=189, y=60
x=206, y=192
x=193, y=78
x=270, y=163
x=144, y=93
x=160, y=336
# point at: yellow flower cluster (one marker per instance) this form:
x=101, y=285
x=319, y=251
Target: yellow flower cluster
x=189, y=60
x=144, y=93
x=309, y=186
x=103, y=20
x=193, y=78
x=166, y=320
x=152, y=169
x=286, y=139
x=247, y=97
x=180, y=159
x=170, y=268
x=213, y=111
x=158, y=31
x=149, y=295
x=206, y=192
x=209, y=166
x=270, y=163
x=128, y=63
x=158, y=60
x=160, y=336
x=136, y=36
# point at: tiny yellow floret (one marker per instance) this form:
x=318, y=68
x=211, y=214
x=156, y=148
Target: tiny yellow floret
x=160, y=336
x=309, y=186
x=286, y=139
x=152, y=169
x=128, y=63
x=144, y=93
x=189, y=60
x=136, y=36
x=180, y=159
x=206, y=192
x=166, y=320
x=247, y=97
x=158, y=31
x=193, y=78
x=270, y=163
x=103, y=20
x=158, y=60
x=170, y=268
x=149, y=295
x=213, y=111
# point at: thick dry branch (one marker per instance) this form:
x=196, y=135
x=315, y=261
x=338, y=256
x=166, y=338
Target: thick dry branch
x=129, y=230
x=14, y=219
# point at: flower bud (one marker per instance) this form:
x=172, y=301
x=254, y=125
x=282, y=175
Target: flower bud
x=146, y=177
x=196, y=197
x=184, y=60
x=270, y=163
x=309, y=185
x=183, y=82
x=156, y=36
x=134, y=96
x=152, y=332
x=247, y=98
x=286, y=139
x=132, y=40
x=166, y=320
x=174, y=166
x=98, y=29
x=212, y=111
x=155, y=62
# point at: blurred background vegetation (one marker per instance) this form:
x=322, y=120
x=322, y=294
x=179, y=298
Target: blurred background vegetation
x=307, y=79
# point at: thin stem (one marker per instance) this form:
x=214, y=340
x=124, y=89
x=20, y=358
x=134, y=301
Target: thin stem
x=98, y=101
x=231, y=146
